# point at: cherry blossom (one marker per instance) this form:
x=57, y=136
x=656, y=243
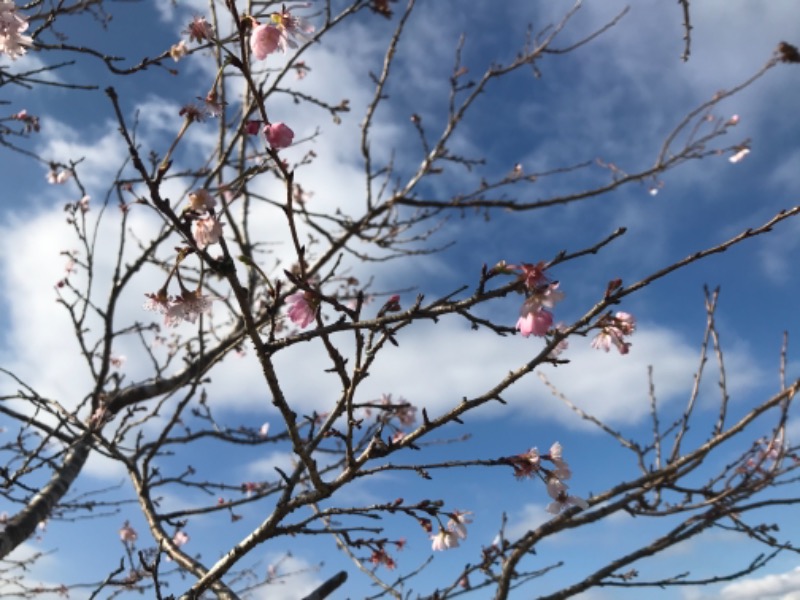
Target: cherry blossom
x=536, y=322
x=264, y=40
x=127, y=533
x=562, y=470
x=444, y=540
x=613, y=331
x=561, y=346
x=213, y=106
x=381, y=557
x=563, y=501
x=179, y=50
x=201, y=201
x=532, y=276
x=12, y=25
x=278, y=135
x=557, y=490
x=200, y=30
x=303, y=309
x=207, y=230
x=158, y=302
x=180, y=538
x=282, y=32
x=525, y=465
x=31, y=121
x=541, y=295
x=58, y=176
x=458, y=523
x=187, y=307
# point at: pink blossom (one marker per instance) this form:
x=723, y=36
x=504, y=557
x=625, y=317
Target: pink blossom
x=252, y=127
x=303, y=309
x=557, y=490
x=381, y=557
x=403, y=410
x=207, y=231
x=278, y=135
x=200, y=30
x=458, y=523
x=561, y=346
x=264, y=430
x=626, y=323
x=264, y=40
x=83, y=204
x=290, y=28
x=555, y=487
x=201, y=201
x=187, y=307
x=158, y=302
x=555, y=451
x=537, y=322
x=31, y=121
x=58, y=177
x=525, y=465
x=212, y=104
x=180, y=538
x=532, y=276
x=563, y=502
x=562, y=470
x=117, y=360
x=444, y=540
x=295, y=26
x=613, y=331
x=12, y=25
x=128, y=534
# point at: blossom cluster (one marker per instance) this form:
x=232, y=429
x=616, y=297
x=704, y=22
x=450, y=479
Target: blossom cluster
x=765, y=456
x=207, y=229
x=456, y=530
x=12, y=25
x=187, y=306
x=381, y=557
x=31, y=122
x=529, y=464
x=541, y=296
x=613, y=331
x=280, y=33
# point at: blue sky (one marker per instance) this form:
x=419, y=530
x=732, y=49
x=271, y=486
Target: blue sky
x=615, y=100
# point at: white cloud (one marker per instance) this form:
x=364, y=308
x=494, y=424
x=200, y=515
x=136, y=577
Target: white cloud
x=528, y=518
x=781, y=586
x=295, y=578
x=265, y=467
x=39, y=572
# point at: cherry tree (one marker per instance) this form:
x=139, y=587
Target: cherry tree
x=232, y=251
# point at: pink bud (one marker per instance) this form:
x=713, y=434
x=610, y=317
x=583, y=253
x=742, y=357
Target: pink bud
x=278, y=135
